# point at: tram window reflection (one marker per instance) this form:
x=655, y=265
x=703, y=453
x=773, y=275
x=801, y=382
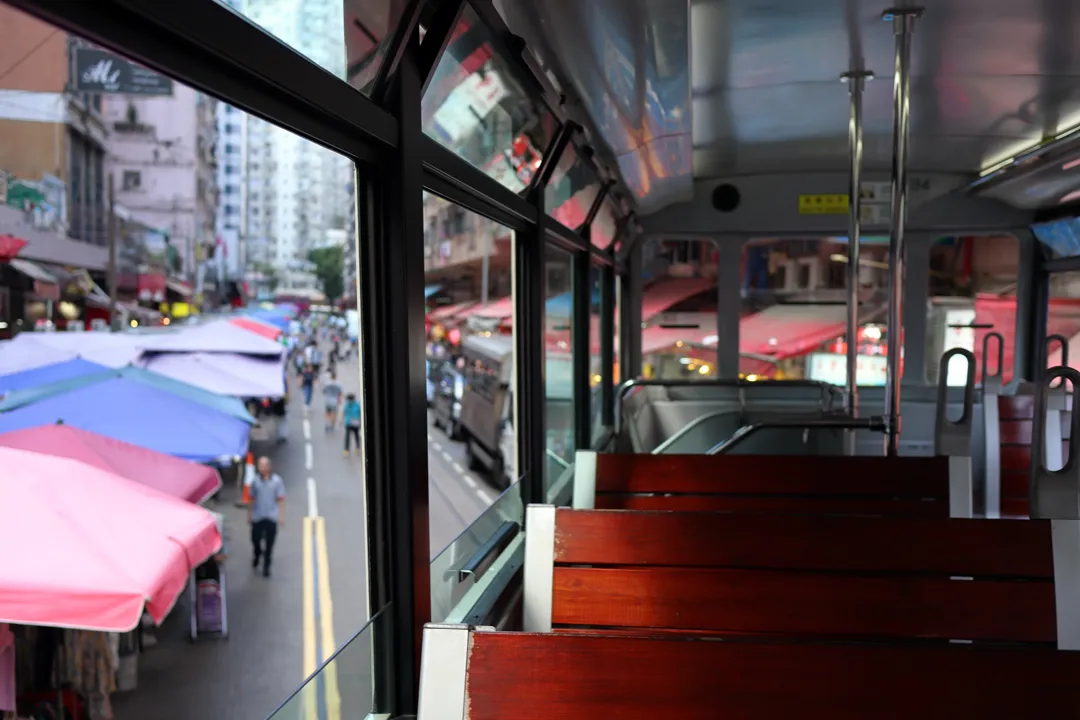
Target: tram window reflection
x=475, y=106
x=558, y=364
x=972, y=293
x=678, y=310
x=1063, y=317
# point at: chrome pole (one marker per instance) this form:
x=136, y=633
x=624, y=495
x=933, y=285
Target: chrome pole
x=903, y=20
x=855, y=81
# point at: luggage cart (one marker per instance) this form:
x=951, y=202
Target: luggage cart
x=208, y=604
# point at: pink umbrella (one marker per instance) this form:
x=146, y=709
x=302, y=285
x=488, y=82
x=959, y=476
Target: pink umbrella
x=171, y=475
x=88, y=549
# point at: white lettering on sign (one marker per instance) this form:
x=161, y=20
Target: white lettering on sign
x=101, y=73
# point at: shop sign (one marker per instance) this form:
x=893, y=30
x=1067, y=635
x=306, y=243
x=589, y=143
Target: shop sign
x=100, y=71
x=832, y=368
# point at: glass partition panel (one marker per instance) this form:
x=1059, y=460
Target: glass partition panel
x=596, y=370
x=1063, y=318
x=343, y=686
x=972, y=293
x=475, y=106
x=558, y=362
x=448, y=583
x=1059, y=238
x=573, y=187
x=678, y=310
x=347, y=38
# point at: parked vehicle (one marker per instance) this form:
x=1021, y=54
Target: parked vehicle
x=486, y=407
x=449, y=387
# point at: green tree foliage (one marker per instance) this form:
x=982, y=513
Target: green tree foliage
x=330, y=270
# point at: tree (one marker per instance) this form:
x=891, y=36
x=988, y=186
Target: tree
x=330, y=270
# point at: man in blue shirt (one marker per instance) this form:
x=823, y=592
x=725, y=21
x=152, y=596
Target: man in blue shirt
x=352, y=422
x=266, y=512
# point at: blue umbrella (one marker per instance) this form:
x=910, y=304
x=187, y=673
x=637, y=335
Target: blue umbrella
x=221, y=403
x=141, y=414
x=48, y=374
x=271, y=318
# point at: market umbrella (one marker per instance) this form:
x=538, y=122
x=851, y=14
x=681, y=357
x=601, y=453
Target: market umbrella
x=88, y=549
x=272, y=317
x=165, y=473
x=256, y=326
x=47, y=374
x=214, y=336
x=241, y=376
x=222, y=403
x=34, y=349
x=139, y=413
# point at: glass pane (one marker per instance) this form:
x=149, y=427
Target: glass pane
x=1063, y=317
x=794, y=315
x=347, y=38
x=596, y=370
x=447, y=587
x=678, y=310
x=475, y=106
x=558, y=365
x=570, y=193
x=1060, y=238
x=972, y=293
x=470, y=324
x=604, y=225
x=343, y=686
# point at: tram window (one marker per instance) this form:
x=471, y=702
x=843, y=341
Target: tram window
x=558, y=365
x=603, y=228
x=793, y=315
x=475, y=106
x=972, y=292
x=678, y=310
x=347, y=38
x=596, y=370
x=1063, y=317
x=573, y=187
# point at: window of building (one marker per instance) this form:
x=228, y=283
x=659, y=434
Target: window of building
x=132, y=180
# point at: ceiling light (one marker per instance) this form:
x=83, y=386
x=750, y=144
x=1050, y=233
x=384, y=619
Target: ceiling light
x=1071, y=164
x=1074, y=195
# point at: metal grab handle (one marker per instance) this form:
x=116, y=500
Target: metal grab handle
x=1053, y=494
x=954, y=437
x=993, y=383
x=1064, y=343
x=845, y=423
x=494, y=545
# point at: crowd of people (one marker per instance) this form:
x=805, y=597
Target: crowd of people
x=308, y=360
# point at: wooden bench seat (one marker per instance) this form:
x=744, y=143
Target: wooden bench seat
x=1009, y=455
x=799, y=576
x=487, y=675
x=908, y=486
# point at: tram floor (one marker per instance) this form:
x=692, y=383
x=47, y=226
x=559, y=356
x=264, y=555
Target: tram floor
x=263, y=660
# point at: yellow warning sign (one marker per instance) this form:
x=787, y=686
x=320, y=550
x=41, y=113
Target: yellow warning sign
x=823, y=204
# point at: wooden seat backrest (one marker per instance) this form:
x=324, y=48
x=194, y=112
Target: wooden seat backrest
x=529, y=676
x=785, y=483
x=798, y=575
x=1015, y=417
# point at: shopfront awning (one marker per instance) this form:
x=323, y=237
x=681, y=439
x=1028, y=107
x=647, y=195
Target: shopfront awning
x=178, y=287
x=664, y=294
x=784, y=331
x=657, y=338
x=33, y=271
x=448, y=312
x=498, y=309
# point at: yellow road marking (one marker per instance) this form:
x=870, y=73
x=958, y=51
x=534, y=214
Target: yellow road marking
x=309, y=693
x=326, y=611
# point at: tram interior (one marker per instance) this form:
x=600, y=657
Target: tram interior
x=742, y=534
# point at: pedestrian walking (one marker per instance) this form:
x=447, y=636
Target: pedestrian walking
x=352, y=422
x=307, y=383
x=332, y=393
x=266, y=513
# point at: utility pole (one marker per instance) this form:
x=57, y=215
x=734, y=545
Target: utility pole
x=113, y=279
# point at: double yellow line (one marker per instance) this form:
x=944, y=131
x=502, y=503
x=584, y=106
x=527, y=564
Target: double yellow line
x=318, y=611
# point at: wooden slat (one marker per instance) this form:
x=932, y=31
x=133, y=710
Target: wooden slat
x=1016, y=407
x=1015, y=459
x=585, y=677
x=1015, y=432
x=783, y=474
x=800, y=604
x=776, y=504
x=804, y=542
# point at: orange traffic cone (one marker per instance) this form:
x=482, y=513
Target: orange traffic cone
x=249, y=473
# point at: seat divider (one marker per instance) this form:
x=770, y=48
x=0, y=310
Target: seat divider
x=1066, y=540
x=444, y=664
x=584, y=480
x=953, y=438
x=538, y=584
x=992, y=385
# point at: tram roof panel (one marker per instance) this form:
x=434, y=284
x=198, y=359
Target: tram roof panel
x=990, y=79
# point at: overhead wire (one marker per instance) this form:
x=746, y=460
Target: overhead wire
x=26, y=56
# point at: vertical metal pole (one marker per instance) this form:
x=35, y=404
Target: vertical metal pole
x=855, y=81
x=113, y=280
x=903, y=20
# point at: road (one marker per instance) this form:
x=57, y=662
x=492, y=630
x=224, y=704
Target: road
x=282, y=627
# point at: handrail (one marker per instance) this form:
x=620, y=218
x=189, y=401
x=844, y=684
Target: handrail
x=871, y=423
x=992, y=383
x=954, y=438
x=494, y=545
x=1053, y=494
x=828, y=391
x=688, y=427
x=1063, y=342
x=555, y=456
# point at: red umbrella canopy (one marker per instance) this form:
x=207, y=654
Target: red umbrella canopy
x=10, y=247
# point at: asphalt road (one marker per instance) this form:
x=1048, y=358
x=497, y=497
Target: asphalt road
x=282, y=627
